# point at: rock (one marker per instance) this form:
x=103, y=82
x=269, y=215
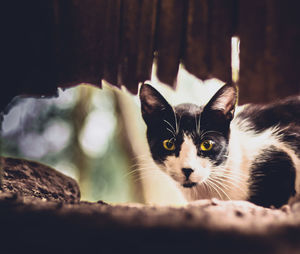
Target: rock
x=28, y=178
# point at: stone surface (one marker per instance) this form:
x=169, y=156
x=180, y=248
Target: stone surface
x=33, y=179
x=207, y=226
x=34, y=222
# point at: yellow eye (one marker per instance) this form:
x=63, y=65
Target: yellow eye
x=206, y=145
x=169, y=145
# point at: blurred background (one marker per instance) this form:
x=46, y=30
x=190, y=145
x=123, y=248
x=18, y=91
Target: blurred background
x=97, y=136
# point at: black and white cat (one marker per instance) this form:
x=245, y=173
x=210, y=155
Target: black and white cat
x=220, y=150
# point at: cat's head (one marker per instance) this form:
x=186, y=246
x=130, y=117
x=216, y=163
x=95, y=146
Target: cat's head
x=188, y=142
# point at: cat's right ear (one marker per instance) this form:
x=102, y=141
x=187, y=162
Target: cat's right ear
x=224, y=101
x=153, y=104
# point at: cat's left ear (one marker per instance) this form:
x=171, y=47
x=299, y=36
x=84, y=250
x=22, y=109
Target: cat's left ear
x=154, y=106
x=224, y=101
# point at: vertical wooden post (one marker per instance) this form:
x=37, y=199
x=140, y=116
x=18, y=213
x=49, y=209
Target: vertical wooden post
x=210, y=27
x=111, y=37
x=170, y=37
x=282, y=48
x=80, y=41
x=197, y=52
x=221, y=32
x=136, y=42
x=252, y=33
x=270, y=52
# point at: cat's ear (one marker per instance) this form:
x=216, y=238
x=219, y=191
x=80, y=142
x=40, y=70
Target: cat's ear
x=153, y=104
x=224, y=101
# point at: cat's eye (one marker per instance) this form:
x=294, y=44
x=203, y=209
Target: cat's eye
x=206, y=145
x=169, y=145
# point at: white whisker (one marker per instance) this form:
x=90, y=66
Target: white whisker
x=146, y=175
x=217, y=186
x=173, y=130
x=208, y=189
x=212, y=185
x=229, y=176
x=176, y=125
x=235, y=173
x=229, y=180
x=199, y=121
x=220, y=182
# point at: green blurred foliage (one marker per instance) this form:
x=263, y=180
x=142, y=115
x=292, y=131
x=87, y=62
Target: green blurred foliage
x=24, y=135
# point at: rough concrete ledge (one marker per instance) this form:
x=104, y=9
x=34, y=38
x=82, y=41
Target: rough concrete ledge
x=37, y=225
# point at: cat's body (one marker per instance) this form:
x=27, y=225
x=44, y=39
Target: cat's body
x=246, y=153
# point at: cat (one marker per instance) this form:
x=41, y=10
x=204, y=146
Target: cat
x=221, y=150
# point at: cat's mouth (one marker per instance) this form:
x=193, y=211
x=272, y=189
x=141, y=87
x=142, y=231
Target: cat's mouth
x=189, y=184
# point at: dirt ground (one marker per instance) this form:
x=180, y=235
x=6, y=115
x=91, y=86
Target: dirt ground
x=41, y=212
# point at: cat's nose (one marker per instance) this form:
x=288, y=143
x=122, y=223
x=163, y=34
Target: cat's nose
x=187, y=172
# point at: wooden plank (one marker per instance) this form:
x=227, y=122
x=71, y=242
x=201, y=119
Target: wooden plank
x=137, y=35
x=170, y=32
x=146, y=39
x=197, y=52
x=28, y=51
x=283, y=49
x=112, y=41
x=54, y=42
x=129, y=43
x=252, y=32
x=270, y=53
x=80, y=38
x=221, y=31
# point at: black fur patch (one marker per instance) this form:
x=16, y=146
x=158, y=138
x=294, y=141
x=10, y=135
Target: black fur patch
x=281, y=113
x=272, y=178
